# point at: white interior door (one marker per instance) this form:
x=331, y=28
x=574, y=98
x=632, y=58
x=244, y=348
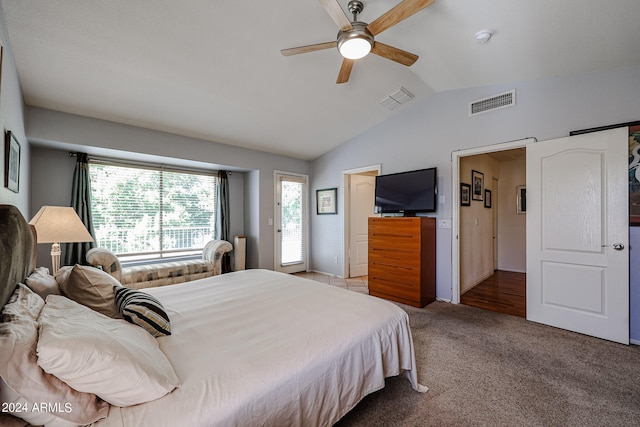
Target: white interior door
x=362, y=201
x=291, y=223
x=577, y=234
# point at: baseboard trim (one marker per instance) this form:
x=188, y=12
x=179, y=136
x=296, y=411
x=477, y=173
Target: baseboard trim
x=634, y=342
x=511, y=270
x=326, y=274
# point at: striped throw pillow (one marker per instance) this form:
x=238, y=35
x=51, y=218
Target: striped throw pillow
x=142, y=309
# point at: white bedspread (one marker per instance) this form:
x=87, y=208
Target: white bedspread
x=258, y=347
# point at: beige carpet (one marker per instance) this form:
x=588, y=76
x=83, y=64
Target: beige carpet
x=489, y=369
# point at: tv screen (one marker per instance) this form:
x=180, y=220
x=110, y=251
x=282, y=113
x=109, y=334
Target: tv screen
x=407, y=192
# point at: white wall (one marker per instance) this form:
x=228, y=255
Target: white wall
x=425, y=134
x=476, y=224
x=12, y=118
x=512, y=227
x=69, y=132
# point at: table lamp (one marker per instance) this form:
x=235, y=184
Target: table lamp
x=59, y=224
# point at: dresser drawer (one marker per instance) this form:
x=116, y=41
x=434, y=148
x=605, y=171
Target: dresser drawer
x=395, y=226
x=391, y=241
x=395, y=274
x=405, y=291
x=394, y=257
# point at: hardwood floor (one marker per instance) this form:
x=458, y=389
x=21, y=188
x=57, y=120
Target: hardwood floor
x=504, y=292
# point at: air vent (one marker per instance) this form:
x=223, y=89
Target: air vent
x=504, y=100
x=396, y=99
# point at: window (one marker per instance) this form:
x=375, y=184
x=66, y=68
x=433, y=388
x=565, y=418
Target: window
x=141, y=213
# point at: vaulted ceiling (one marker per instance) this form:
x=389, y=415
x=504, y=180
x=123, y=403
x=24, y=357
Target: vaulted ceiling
x=213, y=69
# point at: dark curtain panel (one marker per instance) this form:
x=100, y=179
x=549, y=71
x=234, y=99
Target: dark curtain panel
x=75, y=253
x=222, y=216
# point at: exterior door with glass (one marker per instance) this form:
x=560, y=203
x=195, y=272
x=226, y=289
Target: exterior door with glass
x=291, y=223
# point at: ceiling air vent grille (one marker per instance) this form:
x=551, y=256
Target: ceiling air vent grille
x=504, y=100
x=396, y=99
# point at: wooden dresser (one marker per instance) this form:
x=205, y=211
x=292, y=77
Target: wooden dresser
x=402, y=259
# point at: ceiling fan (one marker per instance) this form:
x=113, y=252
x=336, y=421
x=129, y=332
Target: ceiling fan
x=356, y=39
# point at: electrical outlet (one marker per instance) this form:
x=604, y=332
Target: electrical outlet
x=335, y=259
x=444, y=223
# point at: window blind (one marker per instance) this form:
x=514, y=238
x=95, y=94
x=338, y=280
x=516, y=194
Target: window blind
x=142, y=212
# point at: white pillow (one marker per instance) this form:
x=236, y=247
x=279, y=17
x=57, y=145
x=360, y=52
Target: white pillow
x=118, y=361
x=42, y=283
x=25, y=384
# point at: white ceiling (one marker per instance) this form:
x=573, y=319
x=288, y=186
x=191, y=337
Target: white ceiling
x=213, y=69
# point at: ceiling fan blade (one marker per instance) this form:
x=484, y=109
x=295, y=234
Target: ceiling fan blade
x=309, y=48
x=400, y=12
x=337, y=14
x=345, y=70
x=393, y=53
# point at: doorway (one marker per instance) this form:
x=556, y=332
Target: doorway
x=291, y=218
x=358, y=202
x=489, y=234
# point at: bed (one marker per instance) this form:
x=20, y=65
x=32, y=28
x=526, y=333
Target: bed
x=254, y=347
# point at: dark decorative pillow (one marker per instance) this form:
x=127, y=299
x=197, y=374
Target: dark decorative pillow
x=142, y=309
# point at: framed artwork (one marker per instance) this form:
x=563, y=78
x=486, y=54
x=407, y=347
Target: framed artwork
x=1, y=55
x=477, y=185
x=487, y=198
x=326, y=201
x=634, y=165
x=521, y=199
x=465, y=194
x=11, y=162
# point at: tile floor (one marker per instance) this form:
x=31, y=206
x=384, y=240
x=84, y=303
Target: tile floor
x=356, y=284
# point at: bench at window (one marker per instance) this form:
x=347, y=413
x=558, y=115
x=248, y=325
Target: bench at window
x=163, y=273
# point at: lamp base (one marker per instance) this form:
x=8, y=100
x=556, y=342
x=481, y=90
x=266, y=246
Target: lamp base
x=55, y=258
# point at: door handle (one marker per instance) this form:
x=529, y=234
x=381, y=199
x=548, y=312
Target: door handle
x=278, y=230
x=618, y=246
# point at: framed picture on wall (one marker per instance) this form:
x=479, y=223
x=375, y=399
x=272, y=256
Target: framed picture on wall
x=11, y=162
x=465, y=194
x=487, y=198
x=326, y=201
x=477, y=185
x=634, y=165
x=521, y=199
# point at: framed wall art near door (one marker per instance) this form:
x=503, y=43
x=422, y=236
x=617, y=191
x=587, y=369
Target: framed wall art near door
x=477, y=185
x=465, y=194
x=326, y=201
x=11, y=162
x=634, y=165
x=521, y=199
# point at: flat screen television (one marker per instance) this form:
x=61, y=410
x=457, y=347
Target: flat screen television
x=408, y=193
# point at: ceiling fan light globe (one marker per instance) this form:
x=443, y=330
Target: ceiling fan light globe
x=355, y=48
x=355, y=43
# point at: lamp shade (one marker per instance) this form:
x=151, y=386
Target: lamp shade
x=59, y=224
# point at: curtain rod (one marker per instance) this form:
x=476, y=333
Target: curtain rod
x=146, y=165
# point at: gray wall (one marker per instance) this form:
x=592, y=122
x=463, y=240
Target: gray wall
x=68, y=132
x=12, y=118
x=425, y=134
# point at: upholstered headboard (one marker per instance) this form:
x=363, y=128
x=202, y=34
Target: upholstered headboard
x=17, y=250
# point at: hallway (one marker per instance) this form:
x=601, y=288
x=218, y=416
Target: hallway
x=503, y=292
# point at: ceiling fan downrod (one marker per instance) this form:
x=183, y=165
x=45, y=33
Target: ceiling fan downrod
x=355, y=7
